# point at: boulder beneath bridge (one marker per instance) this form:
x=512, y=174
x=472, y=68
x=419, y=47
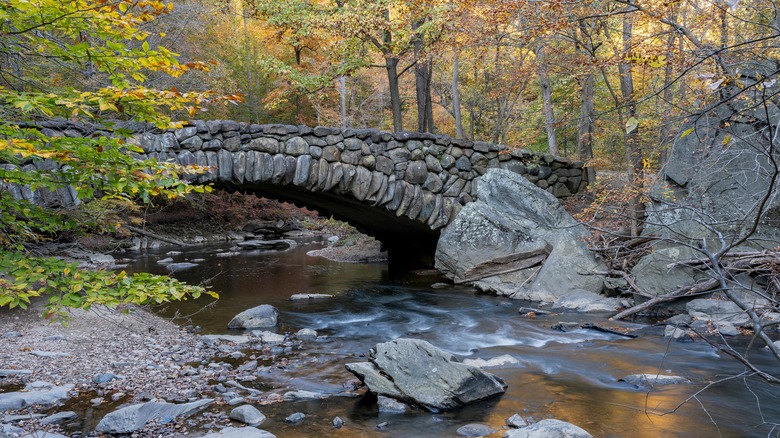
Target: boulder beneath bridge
x=517, y=240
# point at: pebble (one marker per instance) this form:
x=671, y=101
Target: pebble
x=295, y=418
x=12, y=335
x=248, y=366
x=516, y=421
x=338, y=423
x=248, y=414
x=306, y=333
x=104, y=378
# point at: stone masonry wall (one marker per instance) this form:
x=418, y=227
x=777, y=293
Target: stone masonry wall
x=422, y=176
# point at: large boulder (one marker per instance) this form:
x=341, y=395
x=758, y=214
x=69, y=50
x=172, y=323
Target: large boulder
x=719, y=172
x=264, y=315
x=417, y=373
x=133, y=418
x=517, y=240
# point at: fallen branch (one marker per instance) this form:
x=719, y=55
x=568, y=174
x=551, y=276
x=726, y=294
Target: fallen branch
x=156, y=236
x=671, y=296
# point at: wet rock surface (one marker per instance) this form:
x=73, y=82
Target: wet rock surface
x=417, y=373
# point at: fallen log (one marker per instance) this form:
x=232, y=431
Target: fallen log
x=156, y=236
x=671, y=296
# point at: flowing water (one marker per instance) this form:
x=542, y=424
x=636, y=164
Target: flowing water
x=572, y=376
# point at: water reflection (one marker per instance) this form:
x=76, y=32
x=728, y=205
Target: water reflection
x=572, y=376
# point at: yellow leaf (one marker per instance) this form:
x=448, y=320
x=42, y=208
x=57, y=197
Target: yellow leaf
x=656, y=61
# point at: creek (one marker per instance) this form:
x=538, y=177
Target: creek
x=571, y=376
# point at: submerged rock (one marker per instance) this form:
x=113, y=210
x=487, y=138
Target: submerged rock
x=133, y=418
x=549, y=429
x=268, y=244
x=475, y=430
x=415, y=372
x=517, y=240
x=176, y=267
x=261, y=316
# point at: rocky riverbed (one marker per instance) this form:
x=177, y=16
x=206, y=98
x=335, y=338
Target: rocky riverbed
x=103, y=360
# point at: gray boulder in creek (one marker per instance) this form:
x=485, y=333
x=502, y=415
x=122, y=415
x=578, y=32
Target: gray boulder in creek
x=548, y=429
x=261, y=316
x=517, y=240
x=417, y=373
x=133, y=418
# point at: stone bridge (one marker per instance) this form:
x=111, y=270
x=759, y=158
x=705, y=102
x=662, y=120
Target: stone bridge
x=400, y=187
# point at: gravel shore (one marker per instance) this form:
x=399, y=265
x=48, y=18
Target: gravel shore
x=110, y=358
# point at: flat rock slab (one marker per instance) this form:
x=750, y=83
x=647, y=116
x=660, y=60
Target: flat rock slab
x=650, y=380
x=580, y=300
x=133, y=418
x=46, y=397
x=7, y=373
x=240, y=432
x=299, y=297
x=549, y=429
x=417, y=373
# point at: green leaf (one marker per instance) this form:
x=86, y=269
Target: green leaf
x=631, y=124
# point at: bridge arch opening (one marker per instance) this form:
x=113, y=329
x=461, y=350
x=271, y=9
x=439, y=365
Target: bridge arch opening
x=408, y=243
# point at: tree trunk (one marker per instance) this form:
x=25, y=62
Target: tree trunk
x=343, y=102
x=422, y=84
x=633, y=150
x=549, y=116
x=456, y=100
x=391, y=64
x=250, y=97
x=586, y=125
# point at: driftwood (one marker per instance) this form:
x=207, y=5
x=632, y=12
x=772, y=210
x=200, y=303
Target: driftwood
x=156, y=236
x=505, y=264
x=599, y=328
x=671, y=296
x=764, y=264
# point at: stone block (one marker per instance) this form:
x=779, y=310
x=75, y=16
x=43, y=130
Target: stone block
x=416, y=172
x=384, y=165
x=296, y=146
x=331, y=153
